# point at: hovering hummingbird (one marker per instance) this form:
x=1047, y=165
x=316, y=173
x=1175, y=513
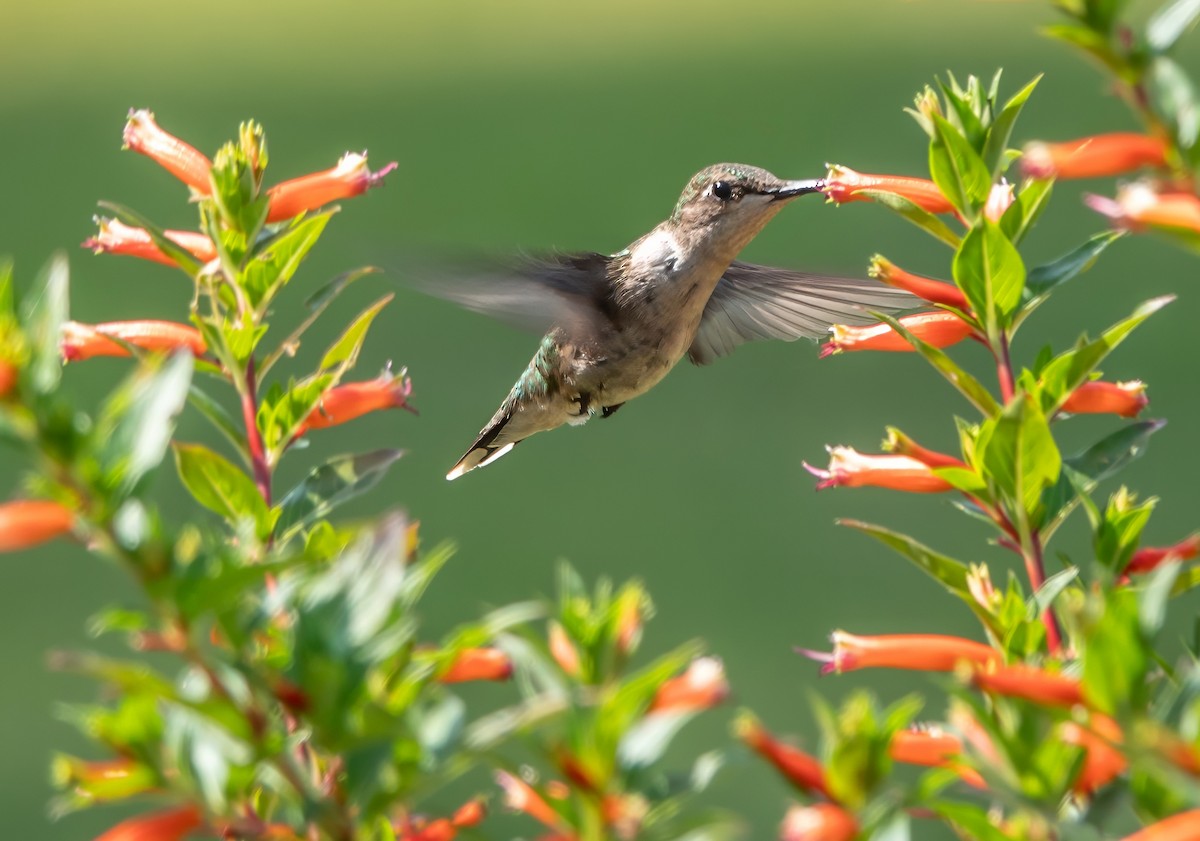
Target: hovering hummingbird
x=619, y=323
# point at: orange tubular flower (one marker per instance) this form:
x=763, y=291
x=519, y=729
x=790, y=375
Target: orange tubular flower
x=1102, y=762
x=1150, y=557
x=470, y=813
x=843, y=184
x=478, y=664
x=818, y=822
x=8, y=378
x=940, y=329
x=29, y=522
x=143, y=135
x=348, y=179
x=898, y=443
x=1031, y=683
x=799, y=768
x=346, y=402
x=169, y=825
x=1138, y=207
x=1126, y=399
x=1093, y=157
x=1182, y=827
x=115, y=237
x=933, y=748
x=701, y=687
x=520, y=796
x=84, y=341
x=934, y=291
x=438, y=830
x=849, y=468
x=563, y=650
x=919, y=652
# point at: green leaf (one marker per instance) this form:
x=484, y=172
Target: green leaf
x=1001, y=129
x=1175, y=97
x=216, y=414
x=178, y=254
x=276, y=260
x=236, y=191
x=920, y=217
x=220, y=486
x=989, y=271
x=1043, y=599
x=1152, y=602
x=1170, y=22
x=970, y=387
x=328, y=486
x=1017, y=452
x=1026, y=208
x=343, y=353
x=1070, y=369
x=957, y=169
x=1116, y=657
x=1045, y=278
x=1091, y=42
x=43, y=315
x=137, y=424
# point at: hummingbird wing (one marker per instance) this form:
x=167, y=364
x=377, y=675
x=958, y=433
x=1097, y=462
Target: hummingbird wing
x=533, y=293
x=761, y=302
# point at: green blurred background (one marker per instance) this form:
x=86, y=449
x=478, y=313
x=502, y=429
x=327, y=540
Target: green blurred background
x=571, y=125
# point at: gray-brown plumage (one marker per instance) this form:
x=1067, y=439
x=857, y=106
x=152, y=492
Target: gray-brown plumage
x=618, y=324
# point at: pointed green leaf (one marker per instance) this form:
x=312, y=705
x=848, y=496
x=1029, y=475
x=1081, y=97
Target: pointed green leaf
x=220, y=486
x=1030, y=200
x=44, y=311
x=1002, y=126
x=1045, y=278
x=344, y=352
x=1175, y=96
x=179, y=255
x=1170, y=23
x=217, y=415
x=970, y=387
x=920, y=217
x=276, y=260
x=957, y=169
x=330, y=485
x=989, y=271
x=1017, y=452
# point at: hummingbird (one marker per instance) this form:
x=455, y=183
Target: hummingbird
x=618, y=323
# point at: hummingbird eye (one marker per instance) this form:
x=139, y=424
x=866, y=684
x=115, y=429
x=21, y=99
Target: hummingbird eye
x=722, y=190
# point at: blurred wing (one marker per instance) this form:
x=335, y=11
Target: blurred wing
x=534, y=294
x=760, y=302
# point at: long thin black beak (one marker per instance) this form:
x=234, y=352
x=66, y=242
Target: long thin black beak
x=791, y=189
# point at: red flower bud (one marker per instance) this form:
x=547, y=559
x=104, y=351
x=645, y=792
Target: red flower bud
x=934, y=291
x=1138, y=207
x=520, y=796
x=84, y=341
x=169, y=825
x=933, y=748
x=852, y=469
x=843, y=184
x=1030, y=683
x=629, y=622
x=799, y=768
x=115, y=237
x=921, y=652
x=701, y=687
x=1182, y=827
x=478, y=664
x=470, y=813
x=818, y=822
x=563, y=650
x=1091, y=157
x=348, y=179
x=143, y=135
x=346, y=402
x=940, y=329
x=1150, y=557
x=29, y=522
x=1126, y=399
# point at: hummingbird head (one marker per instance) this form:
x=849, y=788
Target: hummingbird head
x=728, y=204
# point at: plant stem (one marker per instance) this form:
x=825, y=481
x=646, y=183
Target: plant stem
x=1035, y=567
x=1004, y=368
x=258, y=456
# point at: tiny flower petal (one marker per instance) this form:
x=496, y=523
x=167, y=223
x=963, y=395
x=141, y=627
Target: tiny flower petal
x=1103, y=760
x=843, y=184
x=934, y=291
x=1030, y=683
x=940, y=329
x=1182, y=827
x=29, y=522
x=348, y=179
x=1092, y=157
x=1126, y=399
x=818, y=822
x=979, y=585
x=799, y=768
x=629, y=622
x=851, y=469
x=84, y=341
x=563, y=650
x=702, y=686
x=478, y=664
x=169, y=825
x=143, y=135
x=999, y=200
x=520, y=796
x=115, y=237
x=1138, y=207
x=921, y=652
x=1150, y=557
x=346, y=402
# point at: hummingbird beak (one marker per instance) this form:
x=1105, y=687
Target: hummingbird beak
x=791, y=189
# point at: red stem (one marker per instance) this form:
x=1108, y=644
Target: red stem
x=258, y=456
x=1004, y=370
x=1036, y=568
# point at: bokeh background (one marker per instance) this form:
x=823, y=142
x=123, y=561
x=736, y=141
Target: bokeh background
x=535, y=125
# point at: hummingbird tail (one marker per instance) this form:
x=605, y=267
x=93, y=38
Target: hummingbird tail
x=485, y=450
